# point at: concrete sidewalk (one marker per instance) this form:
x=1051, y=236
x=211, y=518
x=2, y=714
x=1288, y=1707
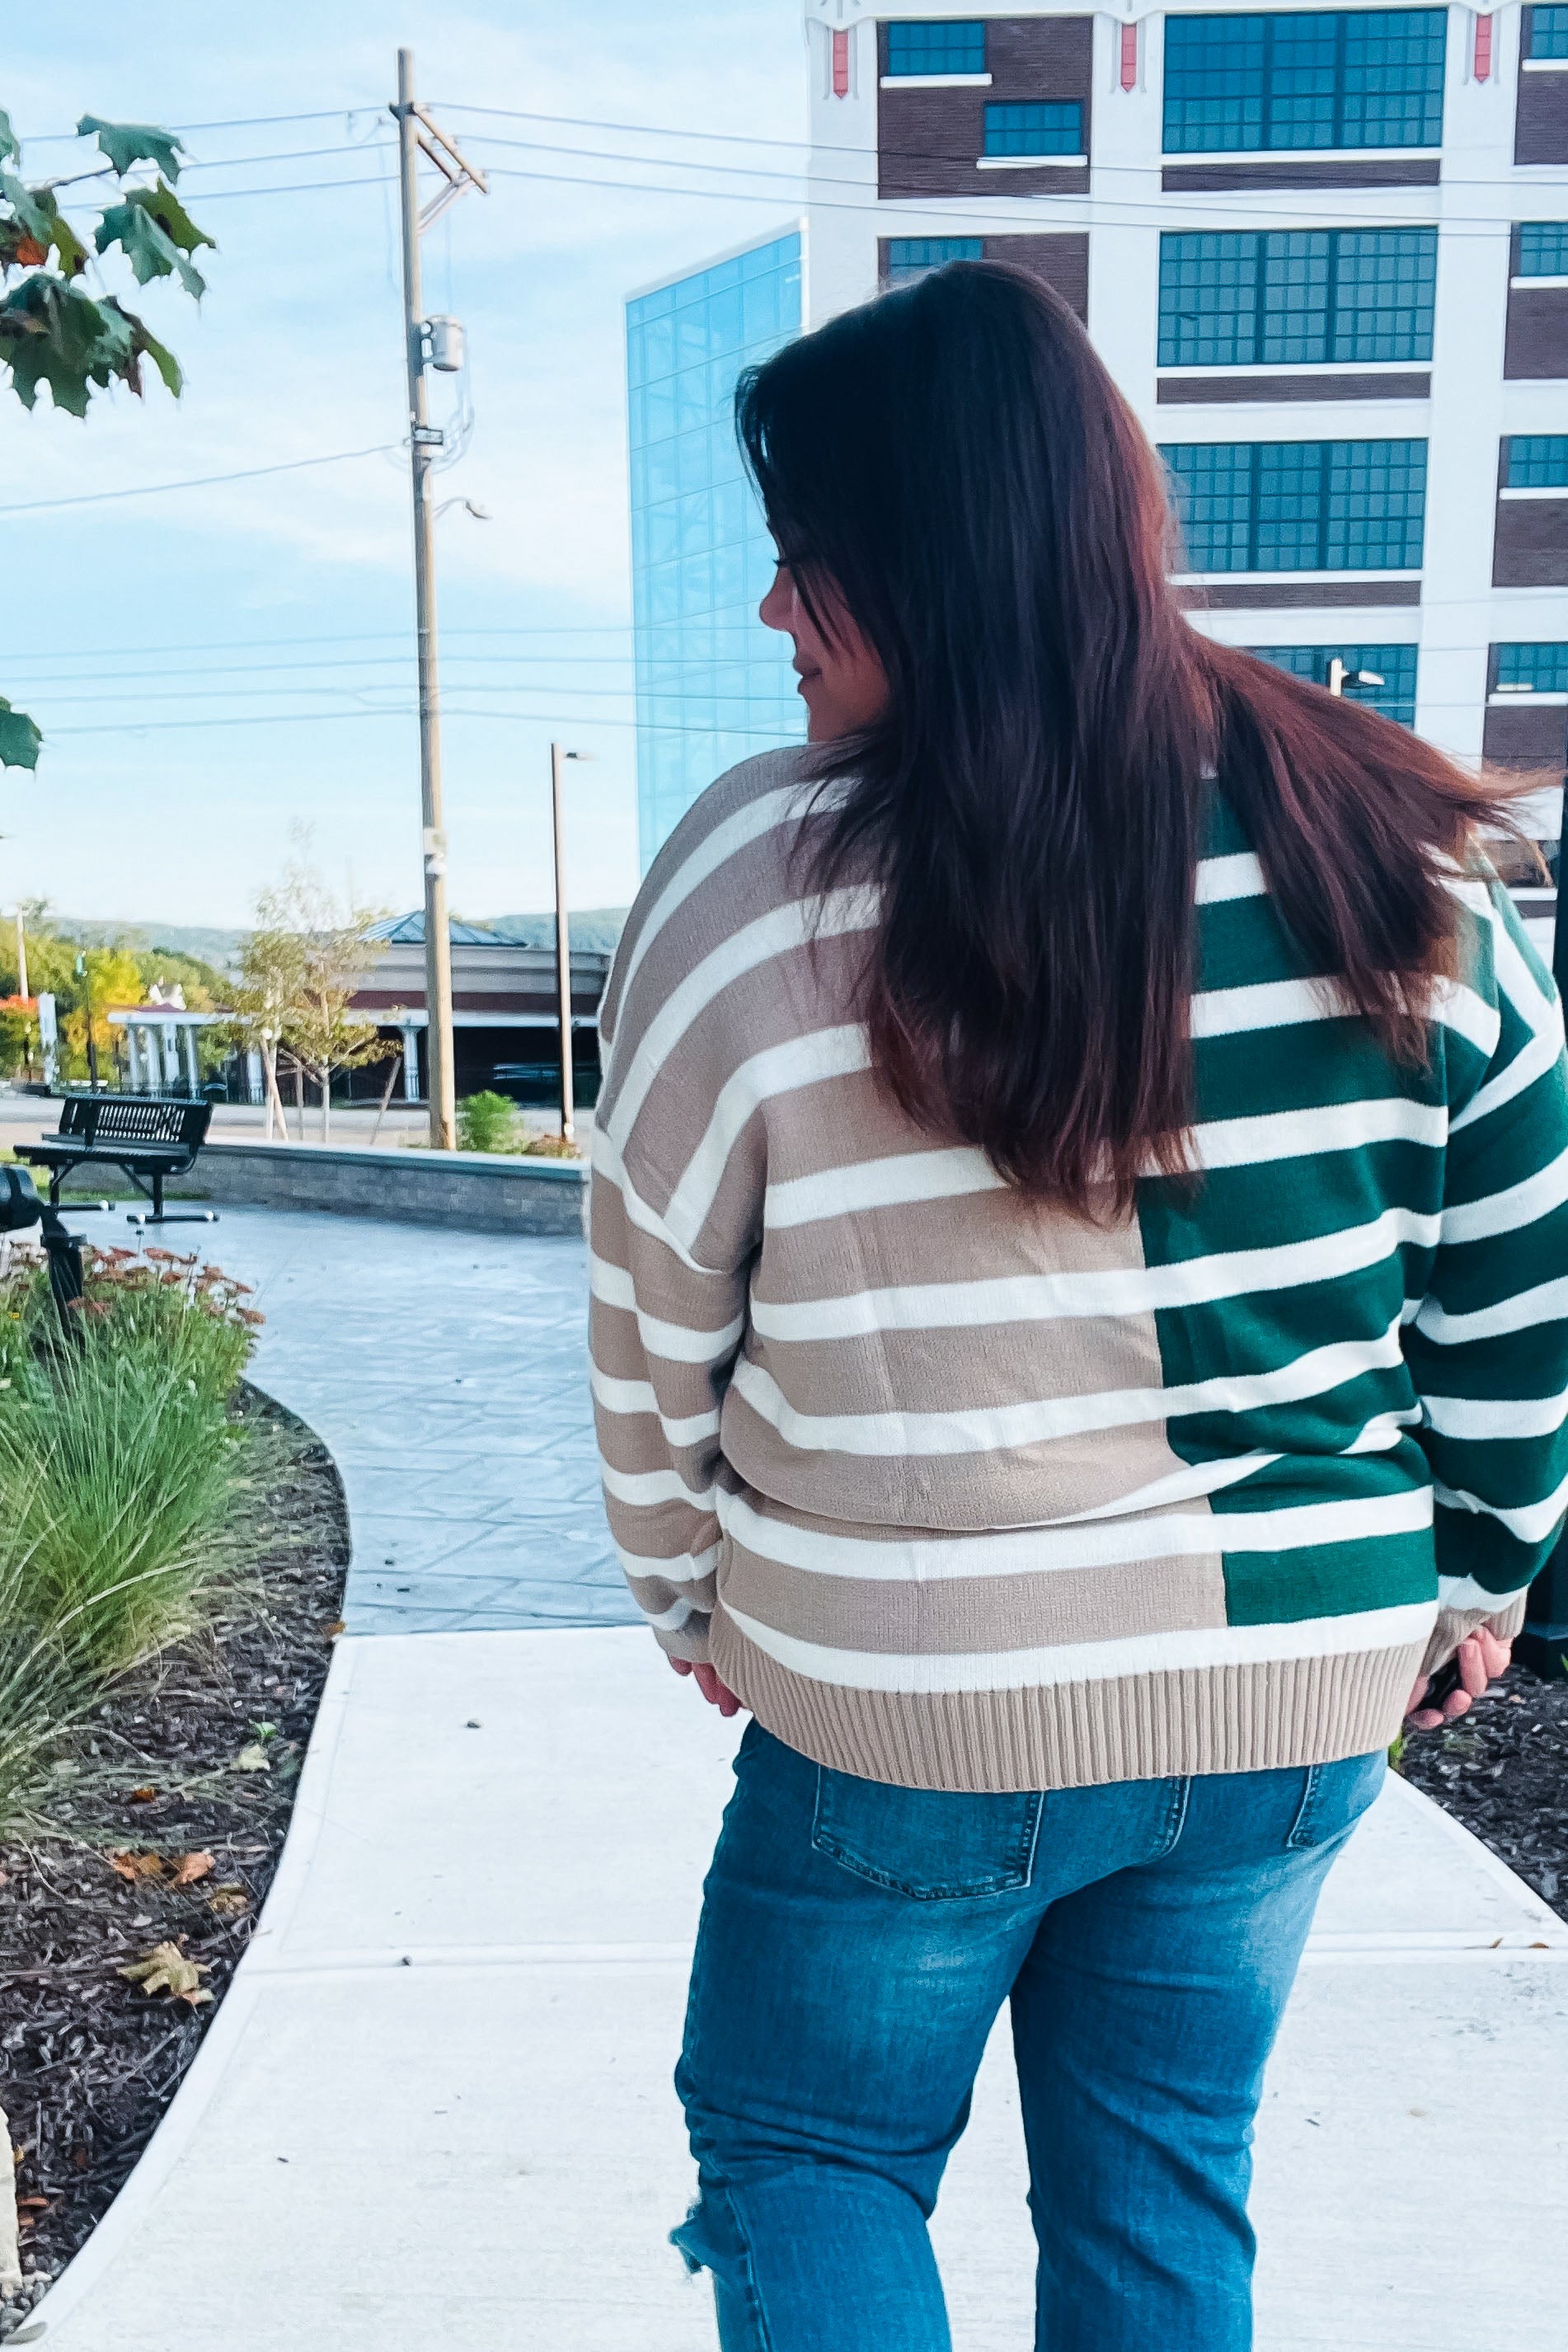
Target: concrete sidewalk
x=434, y=2109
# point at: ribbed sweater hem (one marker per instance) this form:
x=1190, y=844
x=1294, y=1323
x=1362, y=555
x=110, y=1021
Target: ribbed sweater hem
x=1251, y=1718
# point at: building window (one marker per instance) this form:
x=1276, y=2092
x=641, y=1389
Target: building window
x=1395, y=665
x=712, y=685
x=1531, y=669
x=1371, y=79
x=1040, y=127
x=1296, y=296
x=911, y=257
x=1301, y=506
x=945, y=48
x=1535, y=461
x=1543, y=249
x=1546, y=33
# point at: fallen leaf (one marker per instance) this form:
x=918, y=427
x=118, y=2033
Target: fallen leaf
x=189, y=1868
x=165, y=1969
x=143, y=1796
x=252, y=1759
x=229, y=1902
x=339, y=1625
x=126, y=1864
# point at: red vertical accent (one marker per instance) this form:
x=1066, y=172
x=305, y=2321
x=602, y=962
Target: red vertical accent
x=1483, y=48
x=1129, y=57
x=840, y=65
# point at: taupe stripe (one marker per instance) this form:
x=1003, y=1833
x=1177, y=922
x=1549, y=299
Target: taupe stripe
x=949, y=1493
x=964, y=1613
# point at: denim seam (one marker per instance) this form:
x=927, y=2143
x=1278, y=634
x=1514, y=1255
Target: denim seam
x=1017, y=1874
x=1306, y=1811
x=753, y=2295
x=1181, y=1796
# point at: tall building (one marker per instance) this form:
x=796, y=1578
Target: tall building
x=712, y=685
x=1325, y=255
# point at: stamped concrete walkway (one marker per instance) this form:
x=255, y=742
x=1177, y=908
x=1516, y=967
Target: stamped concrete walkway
x=434, y=2108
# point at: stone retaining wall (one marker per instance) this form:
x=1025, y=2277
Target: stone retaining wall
x=490, y=1192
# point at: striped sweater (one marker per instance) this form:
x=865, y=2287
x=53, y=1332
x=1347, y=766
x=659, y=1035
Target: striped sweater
x=957, y=1491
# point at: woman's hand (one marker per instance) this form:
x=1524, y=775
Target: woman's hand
x=719, y=1695
x=1481, y=1658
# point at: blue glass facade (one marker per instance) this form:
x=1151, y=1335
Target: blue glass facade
x=712, y=685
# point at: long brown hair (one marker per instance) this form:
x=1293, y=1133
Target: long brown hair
x=953, y=465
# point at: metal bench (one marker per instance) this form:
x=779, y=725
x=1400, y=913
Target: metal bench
x=150, y=1138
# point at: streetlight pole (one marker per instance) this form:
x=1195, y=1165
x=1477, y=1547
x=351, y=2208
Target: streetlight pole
x=85, y=976
x=563, y=940
x=417, y=135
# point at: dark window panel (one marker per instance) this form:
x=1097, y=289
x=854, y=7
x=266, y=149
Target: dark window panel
x=1296, y=296
x=1301, y=506
x=1395, y=665
x=1543, y=249
x=1332, y=79
x=1542, y=667
x=1039, y=127
x=911, y=257
x=953, y=47
x=1536, y=461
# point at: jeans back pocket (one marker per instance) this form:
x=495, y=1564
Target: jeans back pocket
x=1335, y=1796
x=935, y=1844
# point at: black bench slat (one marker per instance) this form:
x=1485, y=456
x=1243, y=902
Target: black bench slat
x=146, y=1135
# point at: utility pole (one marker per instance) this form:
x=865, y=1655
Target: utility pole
x=418, y=135
x=22, y=990
x=562, y=939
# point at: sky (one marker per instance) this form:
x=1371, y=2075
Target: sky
x=215, y=669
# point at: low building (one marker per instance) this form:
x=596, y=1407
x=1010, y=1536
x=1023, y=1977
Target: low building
x=505, y=1021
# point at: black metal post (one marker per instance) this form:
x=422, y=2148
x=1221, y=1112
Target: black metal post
x=65, y=1270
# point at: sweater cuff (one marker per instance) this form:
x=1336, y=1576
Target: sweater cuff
x=689, y=1640
x=1454, y=1624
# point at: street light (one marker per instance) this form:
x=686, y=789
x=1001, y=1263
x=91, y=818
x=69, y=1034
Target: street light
x=1340, y=677
x=562, y=939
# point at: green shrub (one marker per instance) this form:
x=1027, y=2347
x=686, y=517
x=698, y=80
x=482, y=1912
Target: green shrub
x=120, y=1455
x=487, y=1122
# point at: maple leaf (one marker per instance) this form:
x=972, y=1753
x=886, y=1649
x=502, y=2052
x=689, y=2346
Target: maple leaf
x=9, y=145
x=52, y=333
x=146, y=245
x=165, y=1969
x=189, y=1868
x=19, y=737
x=125, y=144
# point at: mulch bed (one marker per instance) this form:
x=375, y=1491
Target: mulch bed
x=1502, y=1769
x=164, y=1777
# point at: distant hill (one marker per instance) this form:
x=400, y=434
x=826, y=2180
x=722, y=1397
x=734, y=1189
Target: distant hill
x=594, y=928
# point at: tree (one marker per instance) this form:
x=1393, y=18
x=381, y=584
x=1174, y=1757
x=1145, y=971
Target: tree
x=299, y=972
x=52, y=331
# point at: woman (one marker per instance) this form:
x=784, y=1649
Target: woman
x=1076, y=1236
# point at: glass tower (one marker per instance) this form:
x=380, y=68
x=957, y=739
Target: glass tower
x=712, y=685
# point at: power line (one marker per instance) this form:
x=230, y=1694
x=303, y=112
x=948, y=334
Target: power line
x=200, y=481
x=872, y=155
x=234, y=122
x=331, y=718
x=76, y=655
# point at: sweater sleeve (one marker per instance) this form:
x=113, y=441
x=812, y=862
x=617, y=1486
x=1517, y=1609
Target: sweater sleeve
x=675, y=1204
x=1488, y=1349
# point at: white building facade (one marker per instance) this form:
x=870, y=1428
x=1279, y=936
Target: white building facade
x=1324, y=254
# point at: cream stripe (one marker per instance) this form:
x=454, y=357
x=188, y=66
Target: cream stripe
x=1528, y=1522
x=1183, y=1486
x=940, y=1175
x=610, y=1168
x=686, y=1568
x=778, y=932
x=676, y=1342
x=636, y=1398
x=1207, y=1647
x=1238, y=875
x=1264, y=1004
x=1484, y=1417
x=1105, y=1543
x=1517, y=1204
x=1463, y=1593
x=1335, y=1127
x=1547, y=1303
x=670, y=1619
x=737, y=832
x=983, y=1430
x=1119, y=1290
x=803, y=1061
x=1534, y=1058
x=645, y=1488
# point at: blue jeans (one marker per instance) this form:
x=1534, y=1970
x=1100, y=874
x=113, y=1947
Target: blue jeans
x=856, y=1943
